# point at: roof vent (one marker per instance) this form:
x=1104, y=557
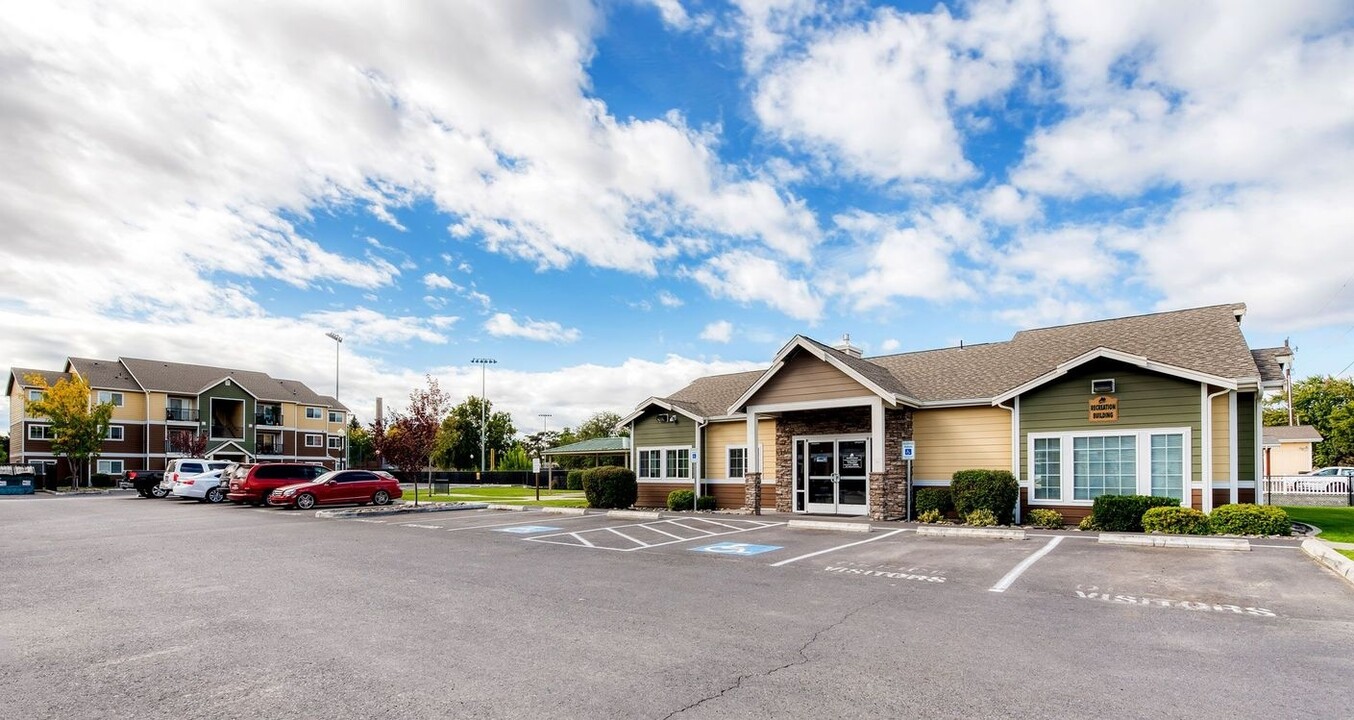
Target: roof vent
x=846, y=346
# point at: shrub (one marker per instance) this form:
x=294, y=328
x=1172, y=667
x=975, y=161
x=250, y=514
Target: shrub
x=1046, y=518
x=982, y=517
x=1248, y=519
x=610, y=486
x=1175, y=520
x=934, y=498
x=705, y=502
x=1088, y=523
x=992, y=490
x=1123, y=513
x=103, y=480
x=573, y=480
x=930, y=516
x=681, y=500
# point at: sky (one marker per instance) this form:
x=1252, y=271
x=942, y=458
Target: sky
x=610, y=199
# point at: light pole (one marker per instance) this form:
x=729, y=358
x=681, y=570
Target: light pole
x=483, y=363
x=545, y=428
x=341, y=462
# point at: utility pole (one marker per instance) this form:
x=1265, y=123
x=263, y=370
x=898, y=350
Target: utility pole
x=483, y=363
x=341, y=462
x=545, y=428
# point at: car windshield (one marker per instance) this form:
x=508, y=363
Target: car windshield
x=326, y=477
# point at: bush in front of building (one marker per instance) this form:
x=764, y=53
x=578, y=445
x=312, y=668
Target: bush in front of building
x=992, y=490
x=1123, y=513
x=1248, y=519
x=1088, y=523
x=573, y=480
x=1175, y=520
x=681, y=500
x=982, y=517
x=934, y=498
x=930, y=517
x=103, y=480
x=610, y=486
x=1046, y=518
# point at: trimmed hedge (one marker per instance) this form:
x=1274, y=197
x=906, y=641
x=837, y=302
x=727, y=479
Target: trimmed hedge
x=610, y=486
x=103, y=480
x=933, y=498
x=1123, y=513
x=683, y=499
x=1248, y=519
x=1175, y=520
x=1046, y=518
x=992, y=490
x=573, y=480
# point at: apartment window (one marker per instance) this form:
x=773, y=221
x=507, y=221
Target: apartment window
x=106, y=396
x=314, y=441
x=1104, y=465
x=115, y=432
x=35, y=395
x=1047, y=469
x=314, y=413
x=651, y=464
x=737, y=462
x=1078, y=467
x=40, y=432
x=335, y=417
x=1168, y=466
x=677, y=463
x=665, y=463
x=109, y=467
x=335, y=442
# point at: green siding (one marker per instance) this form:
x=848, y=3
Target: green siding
x=233, y=391
x=1146, y=400
x=650, y=433
x=1245, y=436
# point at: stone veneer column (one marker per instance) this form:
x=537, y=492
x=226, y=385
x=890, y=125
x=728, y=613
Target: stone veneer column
x=752, y=492
x=886, y=496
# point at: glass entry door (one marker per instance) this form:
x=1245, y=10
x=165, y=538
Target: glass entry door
x=833, y=476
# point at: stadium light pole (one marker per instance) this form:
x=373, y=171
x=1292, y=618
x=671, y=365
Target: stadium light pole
x=483, y=363
x=342, y=460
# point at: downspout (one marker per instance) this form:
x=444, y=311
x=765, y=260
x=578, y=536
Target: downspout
x=1206, y=499
x=1015, y=448
x=700, y=463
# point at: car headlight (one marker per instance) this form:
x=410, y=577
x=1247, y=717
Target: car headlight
x=290, y=492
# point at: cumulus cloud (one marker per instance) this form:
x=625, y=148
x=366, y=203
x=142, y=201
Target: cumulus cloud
x=668, y=300
x=504, y=325
x=433, y=281
x=911, y=256
x=745, y=277
x=720, y=331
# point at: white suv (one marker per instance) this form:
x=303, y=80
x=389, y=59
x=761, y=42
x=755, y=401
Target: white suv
x=184, y=467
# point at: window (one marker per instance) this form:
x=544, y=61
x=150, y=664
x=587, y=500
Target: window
x=335, y=442
x=313, y=413
x=115, y=432
x=1047, y=472
x=738, y=462
x=677, y=464
x=335, y=416
x=1168, y=465
x=40, y=432
x=651, y=463
x=109, y=467
x=35, y=395
x=1104, y=466
x=106, y=396
x=314, y=441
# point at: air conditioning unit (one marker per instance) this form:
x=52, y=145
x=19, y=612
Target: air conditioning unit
x=1102, y=387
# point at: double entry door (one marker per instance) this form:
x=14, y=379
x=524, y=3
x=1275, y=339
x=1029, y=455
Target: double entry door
x=832, y=475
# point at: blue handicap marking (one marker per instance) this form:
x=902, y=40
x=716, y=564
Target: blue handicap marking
x=527, y=529
x=734, y=548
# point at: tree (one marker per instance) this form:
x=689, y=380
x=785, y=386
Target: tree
x=538, y=442
x=360, y=448
x=515, y=459
x=78, y=426
x=601, y=424
x=190, y=444
x=4, y=448
x=1327, y=404
x=459, y=443
x=407, y=439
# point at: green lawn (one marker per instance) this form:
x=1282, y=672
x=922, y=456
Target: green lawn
x=510, y=495
x=1347, y=553
x=1336, y=523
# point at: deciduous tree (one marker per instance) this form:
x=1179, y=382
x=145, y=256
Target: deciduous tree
x=601, y=424
x=78, y=425
x=1327, y=404
x=459, y=446
x=407, y=439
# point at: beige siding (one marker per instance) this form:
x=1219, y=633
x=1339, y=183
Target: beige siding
x=1222, y=450
x=807, y=378
x=719, y=436
x=320, y=424
x=157, y=402
x=1290, y=459
x=16, y=404
x=951, y=439
x=133, y=405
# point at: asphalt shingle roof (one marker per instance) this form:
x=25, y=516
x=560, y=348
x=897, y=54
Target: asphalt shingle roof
x=1290, y=433
x=105, y=374
x=712, y=395
x=1267, y=362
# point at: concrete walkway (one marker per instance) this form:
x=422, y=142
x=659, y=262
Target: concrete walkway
x=1338, y=545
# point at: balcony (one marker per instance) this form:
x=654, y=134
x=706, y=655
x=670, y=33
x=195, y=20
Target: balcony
x=268, y=416
x=181, y=414
x=269, y=448
x=226, y=431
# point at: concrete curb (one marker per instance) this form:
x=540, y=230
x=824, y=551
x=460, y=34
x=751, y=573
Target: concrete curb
x=398, y=510
x=1326, y=555
x=500, y=506
x=827, y=525
x=634, y=514
x=978, y=532
x=1176, y=541
x=564, y=511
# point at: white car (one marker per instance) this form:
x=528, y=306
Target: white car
x=203, y=487
x=179, y=468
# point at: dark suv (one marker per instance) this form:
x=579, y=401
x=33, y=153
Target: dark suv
x=261, y=480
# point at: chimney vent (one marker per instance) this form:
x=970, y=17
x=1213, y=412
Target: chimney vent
x=846, y=346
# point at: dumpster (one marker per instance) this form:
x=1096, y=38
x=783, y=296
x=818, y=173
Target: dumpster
x=17, y=480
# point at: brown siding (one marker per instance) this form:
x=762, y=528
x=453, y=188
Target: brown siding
x=1224, y=496
x=729, y=497
x=1196, y=499
x=655, y=495
x=807, y=378
x=157, y=433
x=1072, y=514
x=953, y=439
x=132, y=440
x=1245, y=495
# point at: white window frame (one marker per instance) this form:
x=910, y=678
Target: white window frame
x=335, y=442
x=318, y=413
x=116, y=433
x=728, y=462
x=664, y=476
x=1142, y=460
x=42, y=435
x=639, y=465
x=333, y=414
x=318, y=438
x=111, y=396
x=99, y=467
x=35, y=395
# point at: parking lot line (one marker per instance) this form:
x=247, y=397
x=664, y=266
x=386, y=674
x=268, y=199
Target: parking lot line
x=839, y=547
x=556, y=538
x=582, y=540
x=518, y=522
x=627, y=537
x=665, y=532
x=699, y=530
x=1024, y=565
x=712, y=522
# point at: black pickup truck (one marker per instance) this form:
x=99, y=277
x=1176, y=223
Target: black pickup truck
x=146, y=482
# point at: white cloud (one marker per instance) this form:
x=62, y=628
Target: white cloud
x=1006, y=205
x=742, y=276
x=720, y=331
x=504, y=325
x=668, y=300
x=906, y=257
x=433, y=281
x=889, y=345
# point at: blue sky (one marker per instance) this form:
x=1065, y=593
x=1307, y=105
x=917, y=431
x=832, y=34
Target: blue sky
x=613, y=198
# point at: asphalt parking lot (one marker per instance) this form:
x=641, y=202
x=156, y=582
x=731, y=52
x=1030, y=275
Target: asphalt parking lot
x=116, y=606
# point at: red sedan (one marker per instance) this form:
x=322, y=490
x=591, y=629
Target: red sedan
x=337, y=487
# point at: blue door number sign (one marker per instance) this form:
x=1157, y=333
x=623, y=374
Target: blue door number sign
x=527, y=529
x=733, y=548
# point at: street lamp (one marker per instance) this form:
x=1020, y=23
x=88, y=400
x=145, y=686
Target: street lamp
x=545, y=428
x=483, y=363
x=338, y=342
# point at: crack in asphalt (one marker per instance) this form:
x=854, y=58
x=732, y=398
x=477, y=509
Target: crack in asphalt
x=803, y=659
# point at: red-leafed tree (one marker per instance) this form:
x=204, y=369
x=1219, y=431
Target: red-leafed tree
x=191, y=444
x=407, y=439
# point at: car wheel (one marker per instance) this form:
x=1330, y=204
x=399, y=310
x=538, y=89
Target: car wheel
x=215, y=496
x=158, y=492
x=305, y=501
x=381, y=497
x=143, y=493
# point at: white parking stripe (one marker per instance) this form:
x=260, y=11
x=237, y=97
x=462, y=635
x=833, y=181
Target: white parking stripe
x=699, y=530
x=665, y=532
x=1025, y=565
x=519, y=522
x=582, y=540
x=640, y=543
x=839, y=547
x=712, y=522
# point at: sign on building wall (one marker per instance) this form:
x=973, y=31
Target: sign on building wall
x=1104, y=408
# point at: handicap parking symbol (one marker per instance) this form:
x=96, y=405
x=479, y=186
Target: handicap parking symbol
x=733, y=548
x=527, y=529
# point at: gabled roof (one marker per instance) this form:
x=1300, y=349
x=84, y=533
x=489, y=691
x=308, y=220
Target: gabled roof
x=589, y=447
x=712, y=395
x=189, y=379
x=1273, y=435
x=1267, y=362
x=16, y=377
x=104, y=374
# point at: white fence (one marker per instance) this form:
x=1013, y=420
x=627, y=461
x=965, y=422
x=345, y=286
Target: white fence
x=1305, y=485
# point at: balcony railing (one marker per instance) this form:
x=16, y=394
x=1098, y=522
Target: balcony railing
x=268, y=418
x=180, y=414
x=270, y=449
x=223, y=431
